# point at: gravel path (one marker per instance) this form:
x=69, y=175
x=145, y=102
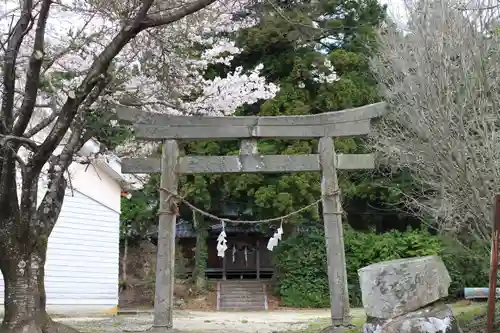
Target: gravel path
x=206, y=322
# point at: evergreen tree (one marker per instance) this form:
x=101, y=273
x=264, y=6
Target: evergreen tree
x=298, y=44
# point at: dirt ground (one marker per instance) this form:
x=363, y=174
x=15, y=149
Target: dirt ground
x=198, y=321
x=190, y=321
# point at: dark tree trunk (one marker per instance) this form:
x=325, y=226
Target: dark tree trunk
x=23, y=269
x=23, y=249
x=289, y=230
x=200, y=255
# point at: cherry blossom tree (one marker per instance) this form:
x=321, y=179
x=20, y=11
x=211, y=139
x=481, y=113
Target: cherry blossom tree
x=67, y=62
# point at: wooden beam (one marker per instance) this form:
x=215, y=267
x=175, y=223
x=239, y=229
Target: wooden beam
x=133, y=115
x=165, y=262
x=249, y=147
x=355, y=161
x=249, y=163
x=332, y=219
x=141, y=165
x=257, y=259
x=220, y=133
x=157, y=126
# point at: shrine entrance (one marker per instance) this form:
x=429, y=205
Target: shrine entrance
x=172, y=130
x=247, y=258
x=242, y=256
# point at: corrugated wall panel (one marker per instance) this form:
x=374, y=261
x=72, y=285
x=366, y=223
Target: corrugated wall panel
x=83, y=255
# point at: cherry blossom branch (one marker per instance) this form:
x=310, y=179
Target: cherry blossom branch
x=33, y=74
x=99, y=66
x=15, y=39
x=157, y=20
x=73, y=46
x=75, y=98
x=160, y=76
x=46, y=121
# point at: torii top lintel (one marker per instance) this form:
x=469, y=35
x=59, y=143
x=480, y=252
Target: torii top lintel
x=158, y=126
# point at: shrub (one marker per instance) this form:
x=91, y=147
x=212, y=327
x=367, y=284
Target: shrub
x=468, y=264
x=363, y=249
x=301, y=261
x=301, y=266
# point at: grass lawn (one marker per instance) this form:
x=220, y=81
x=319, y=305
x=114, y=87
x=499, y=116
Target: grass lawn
x=464, y=312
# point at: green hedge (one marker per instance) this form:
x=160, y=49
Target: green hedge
x=468, y=265
x=301, y=262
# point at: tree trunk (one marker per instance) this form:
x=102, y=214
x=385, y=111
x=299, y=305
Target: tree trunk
x=289, y=230
x=125, y=259
x=201, y=255
x=23, y=269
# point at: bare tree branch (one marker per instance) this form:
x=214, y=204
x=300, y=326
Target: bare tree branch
x=30, y=144
x=46, y=121
x=440, y=78
x=41, y=124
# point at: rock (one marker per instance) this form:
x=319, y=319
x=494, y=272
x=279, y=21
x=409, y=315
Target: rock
x=393, y=288
x=433, y=319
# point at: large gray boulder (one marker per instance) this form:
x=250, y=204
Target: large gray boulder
x=433, y=319
x=393, y=288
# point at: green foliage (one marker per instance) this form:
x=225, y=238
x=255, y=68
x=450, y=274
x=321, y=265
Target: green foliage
x=138, y=213
x=301, y=270
x=97, y=118
x=363, y=249
x=292, y=53
x=467, y=263
x=181, y=264
x=98, y=122
x=301, y=261
x=201, y=254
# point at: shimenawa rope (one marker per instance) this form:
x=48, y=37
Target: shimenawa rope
x=173, y=196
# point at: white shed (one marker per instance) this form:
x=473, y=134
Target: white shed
x=82, y=268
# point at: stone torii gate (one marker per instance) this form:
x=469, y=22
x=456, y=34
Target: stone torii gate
x=170, y=129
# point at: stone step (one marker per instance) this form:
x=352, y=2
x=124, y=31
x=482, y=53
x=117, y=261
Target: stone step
x=246, y=295
x=252, y=288
x=242, y=306
x=246, y=308
x=243, y=298
x=249, y=301
x=241, y=295
x=241, y=290
x=240, y=283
